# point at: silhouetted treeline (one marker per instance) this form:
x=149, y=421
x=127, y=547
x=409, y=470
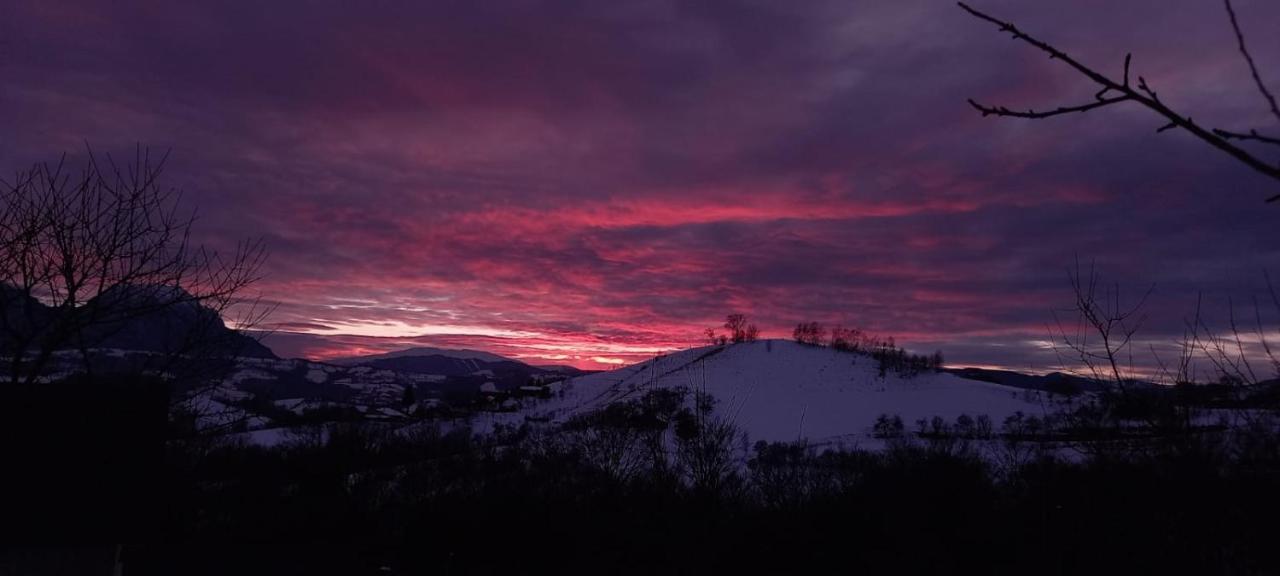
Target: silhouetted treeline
x=660, y=484
x=890, y=356
x=523, y=503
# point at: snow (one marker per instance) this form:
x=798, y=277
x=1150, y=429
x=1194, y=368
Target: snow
x=268, y=437
x=291, y=404
x=773, y=390
x=779, y=390
x=242, y=376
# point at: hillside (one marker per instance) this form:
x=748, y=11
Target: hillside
x=781, y=390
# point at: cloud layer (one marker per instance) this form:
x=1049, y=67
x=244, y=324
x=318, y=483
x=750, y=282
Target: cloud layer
x=594, y=182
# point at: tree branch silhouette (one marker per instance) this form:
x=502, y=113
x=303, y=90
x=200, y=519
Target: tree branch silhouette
x=1248, y=58
x=83, y=254
x=1142, y=94
x=1250, y=135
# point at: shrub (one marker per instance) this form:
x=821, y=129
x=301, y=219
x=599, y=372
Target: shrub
x=888, y=427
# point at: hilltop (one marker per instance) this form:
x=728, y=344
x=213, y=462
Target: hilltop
x=781, y=390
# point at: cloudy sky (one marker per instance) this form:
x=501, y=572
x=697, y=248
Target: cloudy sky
x=595, y=182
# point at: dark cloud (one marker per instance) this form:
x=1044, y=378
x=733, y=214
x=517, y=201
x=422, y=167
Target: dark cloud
x=571, y=180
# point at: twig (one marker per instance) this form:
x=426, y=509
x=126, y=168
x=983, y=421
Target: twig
x=1032, y=114
x=1143, y=94
x=1248, y=58
x=1251, y=135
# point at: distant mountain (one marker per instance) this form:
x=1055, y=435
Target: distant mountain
x=565, y=369
x=20, y=315
x=161, y=319
x=1055, y=382
x=423, y=351
x=446, y=365
x=461, y=368
x=173, y=322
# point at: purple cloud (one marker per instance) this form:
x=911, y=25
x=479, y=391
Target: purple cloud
x=570, y=180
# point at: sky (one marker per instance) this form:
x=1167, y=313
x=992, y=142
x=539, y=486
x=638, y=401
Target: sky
x=592, y=183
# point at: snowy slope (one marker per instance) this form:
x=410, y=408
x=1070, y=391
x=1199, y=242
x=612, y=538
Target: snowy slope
x=780, y=390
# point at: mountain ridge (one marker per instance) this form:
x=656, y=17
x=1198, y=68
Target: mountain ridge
x=459, y=353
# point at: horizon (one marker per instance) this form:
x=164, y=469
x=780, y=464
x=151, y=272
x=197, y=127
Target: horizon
x=593, y=185
x=605, y=366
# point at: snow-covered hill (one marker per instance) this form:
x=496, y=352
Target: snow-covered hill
x=780, y=390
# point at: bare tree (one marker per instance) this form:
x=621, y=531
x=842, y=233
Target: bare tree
x=847, y=339
x=1101, y=334
x=1116, y=91
x=617, y=448
x=1243, y=353
x=813, y=333
x=704, y=445
x=84, y=251
x=736, y=324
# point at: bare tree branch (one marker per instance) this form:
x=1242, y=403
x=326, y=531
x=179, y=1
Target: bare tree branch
x=1251, y=135
x=83, y=255
x=1104, y=317
x=1142, y=94
x=1032, y=114
x=1248, y=58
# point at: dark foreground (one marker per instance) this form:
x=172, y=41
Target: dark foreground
x=599, y=499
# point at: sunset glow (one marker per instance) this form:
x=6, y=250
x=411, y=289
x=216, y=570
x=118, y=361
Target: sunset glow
x=596, y=183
